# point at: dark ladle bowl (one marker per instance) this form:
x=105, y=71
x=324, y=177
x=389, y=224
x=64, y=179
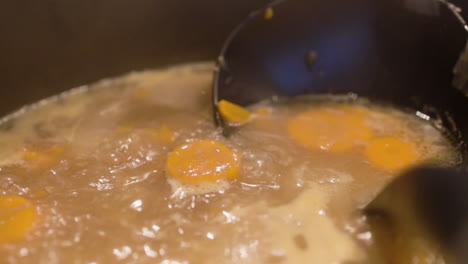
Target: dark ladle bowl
x=390, y=51
x=407, y=53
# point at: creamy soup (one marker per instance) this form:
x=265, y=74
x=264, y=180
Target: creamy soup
x=133, y=170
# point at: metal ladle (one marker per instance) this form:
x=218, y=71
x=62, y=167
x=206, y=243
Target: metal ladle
x=386, y=50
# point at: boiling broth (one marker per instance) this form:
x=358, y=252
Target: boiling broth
x=93, y=163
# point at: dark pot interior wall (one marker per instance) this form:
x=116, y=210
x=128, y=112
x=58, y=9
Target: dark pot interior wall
x=49, y=46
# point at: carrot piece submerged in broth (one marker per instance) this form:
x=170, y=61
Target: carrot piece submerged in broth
x=17, y=216
x=164, y=134
x=328, y=129
x=43, y=158
x=391, y=153
x=203, y=161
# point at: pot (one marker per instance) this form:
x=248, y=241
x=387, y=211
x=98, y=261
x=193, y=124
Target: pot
x=52, y=46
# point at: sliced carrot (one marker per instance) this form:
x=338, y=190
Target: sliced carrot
x=17, y=216
x=329, y=129
x=164, y=134
x=232, y=112
x=203, y=161
x=392, y=153
x=43, y=158
x=142, y=93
